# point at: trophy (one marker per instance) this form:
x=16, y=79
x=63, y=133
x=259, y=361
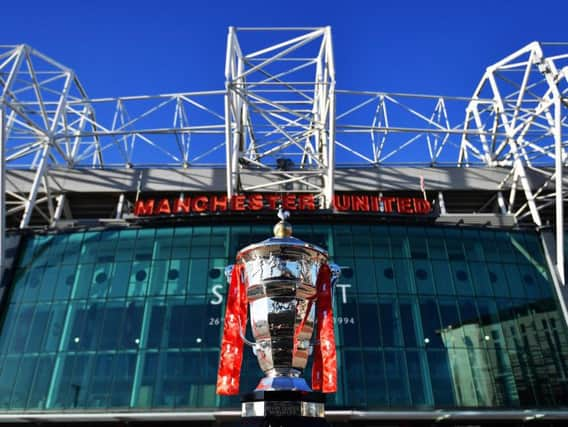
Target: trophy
x=287, y=284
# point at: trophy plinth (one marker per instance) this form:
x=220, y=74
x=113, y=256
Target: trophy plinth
x=287, y=285
x=283, y=408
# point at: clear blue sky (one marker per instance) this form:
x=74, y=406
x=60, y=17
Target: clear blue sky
x=142, y=47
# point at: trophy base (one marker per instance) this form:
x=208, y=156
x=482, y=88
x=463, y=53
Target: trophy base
x=283, y=408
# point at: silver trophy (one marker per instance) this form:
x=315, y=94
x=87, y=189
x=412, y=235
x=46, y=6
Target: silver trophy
x=281, y=276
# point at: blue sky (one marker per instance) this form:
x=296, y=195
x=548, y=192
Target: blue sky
x=142, y=47
x=128, y=47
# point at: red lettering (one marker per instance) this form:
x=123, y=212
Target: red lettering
x=163, y=208
x=255, y=202
x=218, y=203
x=360, y=203
x=342, y=202
x=387, y=204
x=293, y=201
x=199, y=204
x=374, y=203
x=144, y=208
x=273, y=199
x=289, y=202
x=405, y=205
x=422, y=206
x=238, y=203
x=306, y=202
x=181, y=205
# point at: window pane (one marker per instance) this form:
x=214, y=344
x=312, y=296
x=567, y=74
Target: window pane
x=397, y=380
x=365, y=273
x=417, y=373
x=163, y=243
x=376, y=380
x=481, y=279
x=101, y=381
x=8, y=374
x=380, y=242
x=423, y=277
x=123, y=374
x=461, y=277
x=436, y=245
x=178, y=273
x=20, y=334
x=390, y=323
x=410, y=320
x=346, y=320
x=23, y=382
x=384, y=273
x=451, y=326
x=200, y=242
x=361, y=241
x=198, y=273
x=403, y=278
x=369, y=320
x=37, y=328
x=64, y=282
x=353, y=377
x=40, y=386
x=112, y=325
x=399, y=242
x=472, y=245
x=8, y=327
x=156, y=325
x=131, y=327
x=443, y=278
x=430, y=323
x=440, y=376
x=342, y=241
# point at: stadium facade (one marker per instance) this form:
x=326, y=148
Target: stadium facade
x=117, y=227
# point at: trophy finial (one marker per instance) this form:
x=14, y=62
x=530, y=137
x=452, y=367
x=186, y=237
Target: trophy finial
x=282, y=214
x=283, y=228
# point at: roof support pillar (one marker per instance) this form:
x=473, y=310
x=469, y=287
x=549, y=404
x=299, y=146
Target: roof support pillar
x=58, y=209
x=501, y=203
x=442, y=203
x=30, y=202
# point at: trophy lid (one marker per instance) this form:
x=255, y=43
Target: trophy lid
x=283, y=239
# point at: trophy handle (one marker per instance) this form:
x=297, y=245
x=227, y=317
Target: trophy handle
x=245, y=339
x=228, y=273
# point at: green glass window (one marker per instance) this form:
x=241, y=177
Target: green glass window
x=425, y=317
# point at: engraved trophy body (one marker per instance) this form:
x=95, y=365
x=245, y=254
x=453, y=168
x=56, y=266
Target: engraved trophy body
x=287, y=284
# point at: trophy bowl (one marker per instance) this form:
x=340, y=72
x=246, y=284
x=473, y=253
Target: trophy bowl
x=281, y=289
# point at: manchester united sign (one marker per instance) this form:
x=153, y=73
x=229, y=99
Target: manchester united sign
x=254, y=202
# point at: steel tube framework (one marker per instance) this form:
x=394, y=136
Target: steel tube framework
x=529, y=104
x=280, y=112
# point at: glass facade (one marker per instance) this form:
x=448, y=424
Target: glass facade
x=426, y=317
